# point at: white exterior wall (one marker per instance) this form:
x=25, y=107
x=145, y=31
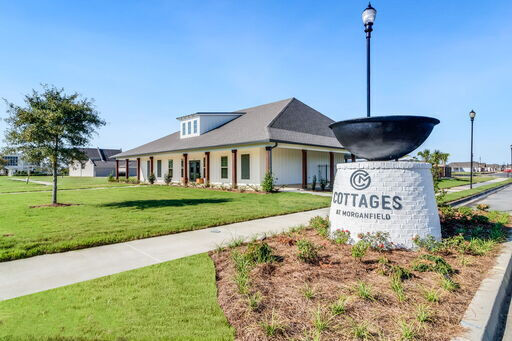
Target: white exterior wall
x=287, y=165
x=76, y=169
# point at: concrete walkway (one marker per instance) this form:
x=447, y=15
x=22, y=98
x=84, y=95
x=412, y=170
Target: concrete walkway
x=479, y=184
x=30, y=275
x=46, y=183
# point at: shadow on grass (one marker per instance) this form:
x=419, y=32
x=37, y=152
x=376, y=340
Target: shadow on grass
x=143, y=204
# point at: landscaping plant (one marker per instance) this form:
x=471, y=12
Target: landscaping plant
x=307, y=251
x=359, y=249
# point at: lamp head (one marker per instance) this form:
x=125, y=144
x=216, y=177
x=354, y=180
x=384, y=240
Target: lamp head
x=472, y=115
x=369, y=15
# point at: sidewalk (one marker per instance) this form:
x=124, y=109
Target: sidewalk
x=465, y=187
x=30, y=275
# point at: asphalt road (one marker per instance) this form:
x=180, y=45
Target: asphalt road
x=499, y=201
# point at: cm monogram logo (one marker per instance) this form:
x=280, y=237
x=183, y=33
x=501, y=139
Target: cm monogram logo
x=360, y=179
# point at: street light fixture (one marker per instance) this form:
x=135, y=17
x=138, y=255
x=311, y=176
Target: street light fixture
x=368, y=19
x=472, y=115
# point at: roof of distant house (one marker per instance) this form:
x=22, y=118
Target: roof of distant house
x=465, y=164
x=287, y=121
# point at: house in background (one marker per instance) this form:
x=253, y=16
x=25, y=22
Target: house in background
x=15, y=163
x=99, y=163
x=466, y=166
x=287, y=138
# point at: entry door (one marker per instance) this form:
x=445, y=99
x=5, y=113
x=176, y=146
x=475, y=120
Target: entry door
x=194, y=170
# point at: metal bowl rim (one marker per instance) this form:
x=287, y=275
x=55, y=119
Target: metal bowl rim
x=391, y=118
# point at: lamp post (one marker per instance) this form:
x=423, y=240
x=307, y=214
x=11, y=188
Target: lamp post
x=368, y=19
x=510, y=173
x=472, y=115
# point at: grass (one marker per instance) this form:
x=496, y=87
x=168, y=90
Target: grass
x=8, y=185
x=454, y=182
x=174, y=300
x=121, y=214
x=466, y=193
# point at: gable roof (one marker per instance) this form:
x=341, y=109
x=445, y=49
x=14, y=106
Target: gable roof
x=288, y=120
x=99, y=154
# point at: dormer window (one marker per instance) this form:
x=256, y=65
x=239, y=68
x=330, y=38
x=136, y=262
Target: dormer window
x=189, y=127
x=183, y=131
x=195, y=126
x=202, y=122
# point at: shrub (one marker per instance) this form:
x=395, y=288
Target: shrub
x=260, y=253
x=152, y=178
x=111, y=178
x=429, y=243
x=432, y=263
x=423, y=313
x=254, y=301
x=308, y=252
x=449, y=284
x=313, y=183
x=268, y=184
x=377, y=240
x=321, y=225
x=432, y=295
x=167, y=179
x=341, y=236
x=323, y=184
x=364, y=291
x=339, y=307
x=482, y=207
x=274, y=326
x=308, y=292
x=359, y=249
x=397, y=287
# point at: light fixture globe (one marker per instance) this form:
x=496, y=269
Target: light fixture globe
x=369, y=15
x=472, y=114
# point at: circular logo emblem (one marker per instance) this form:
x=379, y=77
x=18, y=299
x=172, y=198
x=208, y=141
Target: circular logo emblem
x=360, y=179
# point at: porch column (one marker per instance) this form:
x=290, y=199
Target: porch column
x=304, y=168
x=268, y=159
x=185, y=168
x=117, y=169
x=233, y=168
x=207, y=167
x=151, y=165
x=353, y=157
x=138, y=169
x=331, y=168
x=127, y=162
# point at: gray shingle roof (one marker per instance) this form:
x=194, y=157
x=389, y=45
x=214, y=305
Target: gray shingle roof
x=99, y=154
x=288, y=120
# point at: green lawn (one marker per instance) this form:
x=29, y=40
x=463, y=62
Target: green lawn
x=120, y=214
x=8, y=185
x=74, y=182
x=175, y=300
x=466, y=193
x=454, y=182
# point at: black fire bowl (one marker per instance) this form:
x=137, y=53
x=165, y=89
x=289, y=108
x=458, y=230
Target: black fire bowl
x=383, y=138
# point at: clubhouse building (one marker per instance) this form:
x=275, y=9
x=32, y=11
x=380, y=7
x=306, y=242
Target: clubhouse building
x=287, y=138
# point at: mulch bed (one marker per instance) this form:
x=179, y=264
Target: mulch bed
x=282, y=286
x=54, y=205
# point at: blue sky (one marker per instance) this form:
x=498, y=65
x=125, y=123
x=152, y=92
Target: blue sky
x=147, y=62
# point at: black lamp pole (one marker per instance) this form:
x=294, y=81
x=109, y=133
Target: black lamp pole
x=510, y=173
x=368, y=18
x=472, y=115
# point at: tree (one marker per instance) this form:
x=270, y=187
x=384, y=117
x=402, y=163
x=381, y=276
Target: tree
x=52, y=126
x=3, y=163
x=435, y=158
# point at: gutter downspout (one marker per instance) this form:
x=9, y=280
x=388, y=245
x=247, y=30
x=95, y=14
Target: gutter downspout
x=270, y=156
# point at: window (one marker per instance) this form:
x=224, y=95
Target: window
x=170, y=166
x=11, y=160
x=189, y=124
x=148, y=168
x=223, y=167
x=182, y=168
x=159, y=168
x=246, y=166
x=195, y=126
x=183, y=129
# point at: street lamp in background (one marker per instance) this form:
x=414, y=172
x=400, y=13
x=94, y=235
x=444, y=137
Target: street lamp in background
x=472, y=115
x=368, y=19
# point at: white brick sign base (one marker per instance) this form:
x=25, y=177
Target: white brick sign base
x=389, y=196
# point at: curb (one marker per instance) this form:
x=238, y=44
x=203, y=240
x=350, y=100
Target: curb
x=482, y=317
x=477, y=195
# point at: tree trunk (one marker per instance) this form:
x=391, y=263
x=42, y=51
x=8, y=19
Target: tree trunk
x=28, y=174
x=54, y=191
